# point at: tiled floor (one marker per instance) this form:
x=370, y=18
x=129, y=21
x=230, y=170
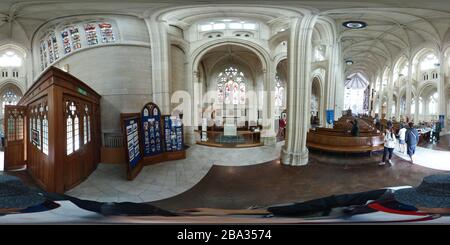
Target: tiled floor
x=108, y=183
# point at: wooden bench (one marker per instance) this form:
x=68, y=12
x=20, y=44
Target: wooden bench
x=344, y=144
x=330, y=131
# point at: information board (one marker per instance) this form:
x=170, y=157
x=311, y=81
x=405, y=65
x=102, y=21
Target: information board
x=173, y=133
x=151, y=128
x=132, y=137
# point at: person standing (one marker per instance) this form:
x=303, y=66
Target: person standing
x=411, y=138
x=389, y=145
x=437, y=131
x=355, y=128
x=401, y=139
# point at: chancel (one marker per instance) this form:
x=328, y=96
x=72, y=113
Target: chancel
x=218, y=112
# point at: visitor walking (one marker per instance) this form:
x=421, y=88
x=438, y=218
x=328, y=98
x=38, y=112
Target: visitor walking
x=401, y=139
x=389, y=145
x=411, y=138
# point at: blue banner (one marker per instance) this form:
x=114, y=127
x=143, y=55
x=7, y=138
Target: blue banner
x=441, y=120
x=330, y=116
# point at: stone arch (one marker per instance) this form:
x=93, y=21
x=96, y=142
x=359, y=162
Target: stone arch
x=197, y=55
x=316, y=100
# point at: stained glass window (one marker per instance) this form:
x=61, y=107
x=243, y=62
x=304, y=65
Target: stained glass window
x=86, y=126
x=45, y=135
x=72, y=128
x=50, y=49
x=55, y=46
x=85, y=130
x=76, y=41
x=106, y=32
x=279, y=92
x=91, y=34
x=44, y=51
x=231, y=87
x=66, y=41
x=39, y=130
x=41, y=52
x=31, y=127
x=69, y=135
x=89, y=127
x=76, y=133
x=11, y=126
x=19, y=128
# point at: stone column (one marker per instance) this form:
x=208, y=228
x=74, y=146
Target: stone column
x=416, y=109
x=294, y=151
x=390, y=88
x=160, y=64
x=191, y=120
x=268, y=134
x=330, y=84
x=409, y=83
x=442, y=105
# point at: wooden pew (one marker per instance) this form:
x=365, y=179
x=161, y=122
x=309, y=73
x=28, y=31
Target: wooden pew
x=344, y=144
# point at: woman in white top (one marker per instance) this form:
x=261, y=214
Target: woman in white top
x=401, y=139
x=389, y=145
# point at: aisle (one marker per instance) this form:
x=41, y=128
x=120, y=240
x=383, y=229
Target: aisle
x=434, y=159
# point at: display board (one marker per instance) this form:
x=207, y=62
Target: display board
x=150, y=137
x=151, y=125
x=173, y=133
x=132, y=137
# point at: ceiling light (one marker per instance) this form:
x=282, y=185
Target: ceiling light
x=349, y=62
x=354, y=24
x=282, y=29
x=226, y=20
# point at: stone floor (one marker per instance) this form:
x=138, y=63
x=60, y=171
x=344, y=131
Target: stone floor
x=108, y=183
x=236, y=178
x=273, y=183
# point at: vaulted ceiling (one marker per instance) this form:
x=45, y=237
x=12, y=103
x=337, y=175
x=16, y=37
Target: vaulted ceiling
x=394, y=27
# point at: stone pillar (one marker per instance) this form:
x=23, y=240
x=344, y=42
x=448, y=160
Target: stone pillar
x=409, y=83
x=442, y=105
x=416, y=109
x=268, y=134
x=294, y=151
x=390, y=88
x=191, y=122
x=160, y=64
x=330, y=84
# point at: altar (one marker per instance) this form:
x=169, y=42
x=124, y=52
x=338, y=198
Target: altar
x=230, y=136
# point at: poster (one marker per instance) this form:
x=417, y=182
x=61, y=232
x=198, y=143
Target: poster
x=330, y=117
x=151, y=120
x=132, y=137
x=173, y=133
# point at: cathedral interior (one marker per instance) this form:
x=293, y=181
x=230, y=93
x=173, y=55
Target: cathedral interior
x=224, y=105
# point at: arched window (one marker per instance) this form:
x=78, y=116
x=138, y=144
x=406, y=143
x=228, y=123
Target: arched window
x=420, y=105
x=72, y=127
x=9, y=98
x=319, y=53
x=432, y=106
x=231, y=87
x=279, y=92
x=10, y=59
x=429, y=62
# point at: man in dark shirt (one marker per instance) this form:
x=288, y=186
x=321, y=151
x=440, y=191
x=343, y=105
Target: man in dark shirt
x=411, y=138
x=355, y=128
